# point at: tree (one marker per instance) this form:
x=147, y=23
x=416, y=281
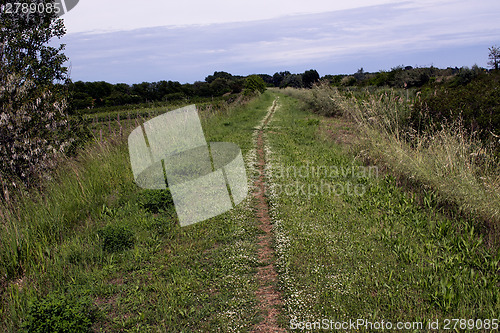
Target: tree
x=309, y=78
x=255, y=83
x=292, y=80
x=219, y=75
x=279, y=77
x=23, y=45
x=494, y=57
x=360, y=74
x=268, y=79
x=34, y=125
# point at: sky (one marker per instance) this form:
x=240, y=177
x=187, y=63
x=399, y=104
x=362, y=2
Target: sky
x=152, y=40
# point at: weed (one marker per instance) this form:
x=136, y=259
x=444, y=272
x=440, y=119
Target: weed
x=57, y=313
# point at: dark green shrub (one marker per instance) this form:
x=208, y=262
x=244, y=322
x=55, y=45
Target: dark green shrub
x=155, y=201
x=116, y=238
x=59, y=313
x=254, y=83
x=476, y=104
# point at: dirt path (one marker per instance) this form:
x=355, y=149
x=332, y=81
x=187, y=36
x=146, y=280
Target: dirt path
x=269, y=298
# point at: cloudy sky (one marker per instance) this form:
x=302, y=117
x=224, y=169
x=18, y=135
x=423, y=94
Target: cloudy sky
x=130, y=41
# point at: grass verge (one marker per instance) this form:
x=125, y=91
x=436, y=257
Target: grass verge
x=352, y=245
x=93, y=236
x=462, y=173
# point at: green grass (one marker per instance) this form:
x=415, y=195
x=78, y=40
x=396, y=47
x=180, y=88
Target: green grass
x=93, y=234
x=380, y=255
x=462, y=171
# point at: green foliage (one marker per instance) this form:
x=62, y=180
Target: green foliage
x=278, y=77
x=255, y=83
x=466, y=75
x=116, y=238
x=57, y=313
x=292, y=81
x=476, y=103
x=309, y=78
x=161, y=285
x=155, y=201
x=24, y=49
x=321, y=99
x=376, y=255
x=494, y=57
x=92, y=95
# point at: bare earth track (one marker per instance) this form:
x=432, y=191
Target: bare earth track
x=269, y=298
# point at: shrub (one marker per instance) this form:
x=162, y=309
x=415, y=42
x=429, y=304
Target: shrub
x=475, y=103
x=324, y=100
x=33, y=130
x=34, y=125
x=116, y=238
x=254, y=83
x=309, y=78
x=58, y=313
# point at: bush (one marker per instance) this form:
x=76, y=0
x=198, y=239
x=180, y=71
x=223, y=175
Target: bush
x=324, y=100
x=116, y=238
x=475, y=103
x=34, y=125
x=58, y=313
x=255, y=83
x=321, y=99
x=33, y=131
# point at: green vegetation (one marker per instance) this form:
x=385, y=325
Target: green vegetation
x=350, y=242
x=472, y=99
x=93, y=233
x=353, y=244
x=155, y=201
x=115, y=238
x=59, y=314
x=254, y=83
x=456, y=166
x=403, y=226
x=34, y=126
x=88, y=96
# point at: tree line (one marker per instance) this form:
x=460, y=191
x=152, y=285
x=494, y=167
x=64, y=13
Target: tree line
x=90, y=95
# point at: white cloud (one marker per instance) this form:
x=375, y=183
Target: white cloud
x=359, y=37
x=113, y=15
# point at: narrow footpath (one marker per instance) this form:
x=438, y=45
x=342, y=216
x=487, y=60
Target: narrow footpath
x=268, y=296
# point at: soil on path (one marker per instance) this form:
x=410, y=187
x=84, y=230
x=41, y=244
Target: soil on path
x=269, y=298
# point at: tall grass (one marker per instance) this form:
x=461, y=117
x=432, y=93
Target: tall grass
x=455, y=165
x=53, y=240
x=36, y=221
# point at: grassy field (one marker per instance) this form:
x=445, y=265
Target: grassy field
x=94, y=236
x=352, y=244
x=96, y=251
